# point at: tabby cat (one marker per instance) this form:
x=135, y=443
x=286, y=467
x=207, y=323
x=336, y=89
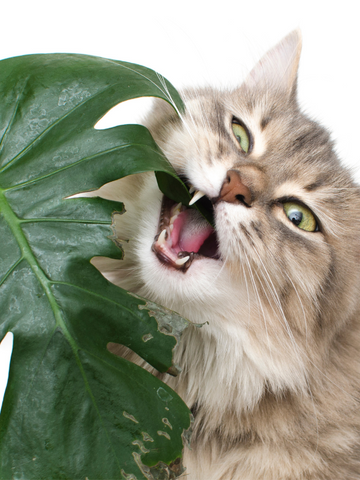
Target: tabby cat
x=273, y=379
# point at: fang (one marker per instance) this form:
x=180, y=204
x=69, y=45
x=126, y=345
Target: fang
x=162, y=237
x=181, y=261
x=197, y=195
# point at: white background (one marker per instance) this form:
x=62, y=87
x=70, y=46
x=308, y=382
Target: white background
x=205, y=42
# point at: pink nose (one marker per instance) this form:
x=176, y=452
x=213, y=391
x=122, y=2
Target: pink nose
x=234, y=191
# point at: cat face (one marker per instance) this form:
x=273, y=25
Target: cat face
x=278, y=274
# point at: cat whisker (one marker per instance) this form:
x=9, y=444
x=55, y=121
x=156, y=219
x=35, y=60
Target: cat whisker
x=255, y=288
x=279, y=312
x=247, y=290
x=305, y=373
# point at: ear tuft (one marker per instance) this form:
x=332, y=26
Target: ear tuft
x=277, y=69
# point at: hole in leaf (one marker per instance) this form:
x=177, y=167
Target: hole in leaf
x=125, y=113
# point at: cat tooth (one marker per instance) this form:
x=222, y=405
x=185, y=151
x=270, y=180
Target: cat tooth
x=181, y=261
x=162, y=237
x=175, y=212
x=192, y=189
x=197, y=195
x=171, y=227
x=177, y=209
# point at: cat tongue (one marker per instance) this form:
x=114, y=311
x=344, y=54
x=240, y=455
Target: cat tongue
x=189, y=232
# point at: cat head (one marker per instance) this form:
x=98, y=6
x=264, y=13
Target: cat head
x=279, y=274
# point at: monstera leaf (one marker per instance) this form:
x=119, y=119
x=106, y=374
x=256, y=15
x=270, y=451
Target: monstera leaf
x=72, y=410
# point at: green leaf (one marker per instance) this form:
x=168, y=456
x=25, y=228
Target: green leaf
x=172, y=188
x=73, y=410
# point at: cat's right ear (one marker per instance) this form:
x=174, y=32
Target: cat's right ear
x=277, y=69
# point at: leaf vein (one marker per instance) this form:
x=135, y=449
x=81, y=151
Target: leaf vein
x=11, y=121
x=84, y=159
x=11, y=269
x=90, y=292
x=93, y=400
x=44, y=132
x=65, y=220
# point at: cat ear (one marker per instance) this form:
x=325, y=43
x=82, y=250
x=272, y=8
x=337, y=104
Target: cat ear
x=277, y=69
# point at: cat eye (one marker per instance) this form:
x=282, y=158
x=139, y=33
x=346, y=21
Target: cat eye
x=300, y=216
x=241, y=134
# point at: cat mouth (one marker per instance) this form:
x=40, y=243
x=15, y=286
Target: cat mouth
x=184, y=236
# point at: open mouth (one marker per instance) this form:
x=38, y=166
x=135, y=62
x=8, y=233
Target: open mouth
x=184, y=235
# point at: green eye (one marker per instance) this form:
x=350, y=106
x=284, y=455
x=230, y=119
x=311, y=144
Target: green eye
x=241, y=136
x=300, y=216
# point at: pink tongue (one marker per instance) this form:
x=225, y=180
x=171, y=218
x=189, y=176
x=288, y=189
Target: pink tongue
x=189, y=232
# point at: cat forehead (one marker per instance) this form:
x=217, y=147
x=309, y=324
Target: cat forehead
x=211, y=108
x=212, y=111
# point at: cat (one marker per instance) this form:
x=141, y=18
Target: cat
x=273, y=379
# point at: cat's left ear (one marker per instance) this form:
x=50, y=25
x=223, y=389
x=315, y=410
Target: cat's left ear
x=277, y=69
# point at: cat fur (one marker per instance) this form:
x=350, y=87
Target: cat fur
x=273, y=379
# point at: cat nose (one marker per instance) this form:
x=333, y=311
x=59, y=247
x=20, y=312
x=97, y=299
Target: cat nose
x=234, y=191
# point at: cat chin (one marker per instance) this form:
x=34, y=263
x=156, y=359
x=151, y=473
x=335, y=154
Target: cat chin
x=199, y=283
